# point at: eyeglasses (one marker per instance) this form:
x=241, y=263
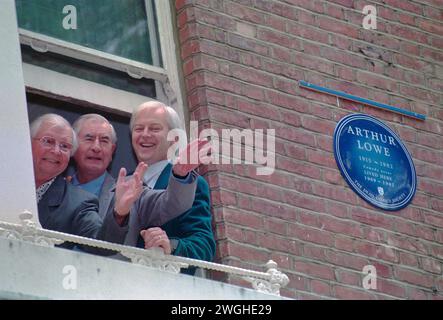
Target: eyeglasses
x=49, y=142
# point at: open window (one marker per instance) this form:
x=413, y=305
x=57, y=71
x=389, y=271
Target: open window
x=111, y=54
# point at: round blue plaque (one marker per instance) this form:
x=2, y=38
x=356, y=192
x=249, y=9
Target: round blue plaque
x=374, y=162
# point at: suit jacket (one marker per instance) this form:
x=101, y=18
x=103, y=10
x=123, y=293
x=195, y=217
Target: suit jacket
x=105, y=197
x=154, y=207
x=69, y=209
x=192, y=230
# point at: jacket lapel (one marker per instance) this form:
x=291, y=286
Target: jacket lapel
x=163, y=179
x=106, y=195
x=53, y=197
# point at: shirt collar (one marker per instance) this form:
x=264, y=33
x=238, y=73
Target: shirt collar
x=153, y=173
x=93, y=186
x=40, y=191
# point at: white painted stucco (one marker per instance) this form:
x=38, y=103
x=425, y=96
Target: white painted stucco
x=17, y=187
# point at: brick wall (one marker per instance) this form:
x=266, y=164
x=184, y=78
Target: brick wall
x=242, y=61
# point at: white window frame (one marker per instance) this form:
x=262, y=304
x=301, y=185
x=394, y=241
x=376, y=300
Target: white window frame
x=166, y=78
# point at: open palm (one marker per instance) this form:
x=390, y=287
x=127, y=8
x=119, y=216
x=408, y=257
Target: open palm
x=128, y=190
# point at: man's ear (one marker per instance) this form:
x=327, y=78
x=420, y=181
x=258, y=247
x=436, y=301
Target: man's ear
x=114, y=146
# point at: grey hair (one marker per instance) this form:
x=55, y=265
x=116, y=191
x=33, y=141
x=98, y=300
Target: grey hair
x=172, y=117
x=35, y=126
x=79, y=123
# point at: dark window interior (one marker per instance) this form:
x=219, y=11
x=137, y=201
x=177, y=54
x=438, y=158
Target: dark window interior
x=123, y=157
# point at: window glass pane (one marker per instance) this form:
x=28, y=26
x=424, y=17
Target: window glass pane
x=118, y=27
x=88, y=71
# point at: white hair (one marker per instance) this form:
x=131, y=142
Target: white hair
x=56, y=120
x=172, y=117
x=77, y=126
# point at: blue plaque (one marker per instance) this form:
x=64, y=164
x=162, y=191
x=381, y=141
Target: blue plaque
x=374, y=162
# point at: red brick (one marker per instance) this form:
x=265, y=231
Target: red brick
x=391, y=288
x=338, y=209
x=284, y=85
x=425, y=232
x=343, y=227
x=272, y=209
x=406, y=227
x=332, y=176
x=314, y=269
x=314, y=63
x=406, y=5
x=296, y=152
x=408, y=259
x=276, y=226
x=432, y=13
x=419, y=93
x=222, y=197
x=377, y=251
x=310, y=235
x=432, y=219
x=349, y=277
x=299, y=295
x=302, y=185
x=347, y=59
x=374, y=235
x=318, y=125
x=431, y=265
x=407, y=243
x=314, y=252
x=439, y=236
x=300, y=168
x=309, y=219
x=279, y=38
x=304, y=201
x=431, y=26
x=383, y=270
x=296, y=281
x=259, y=109
x=215, y=19
x=344, y=243
x=419, y=279
x=287, y=70
x=247, y=44
x=321, y=158
x=283, y=261
x=245, y=13
x=296, y=135
x=346, y=260
x=280, y=54
x=243, y=218
x=277, y=243
x=248, y=253
x=250, y=75
x=348, y=293
x=417, y=294
x=334, y=192
x=307, y=32
x=376, y=81
x=372, y=218
x=336, y=26
x=320, y=287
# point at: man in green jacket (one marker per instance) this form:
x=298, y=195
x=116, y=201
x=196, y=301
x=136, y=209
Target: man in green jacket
x=189, y=235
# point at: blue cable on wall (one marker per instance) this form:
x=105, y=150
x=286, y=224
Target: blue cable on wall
x=351, y=97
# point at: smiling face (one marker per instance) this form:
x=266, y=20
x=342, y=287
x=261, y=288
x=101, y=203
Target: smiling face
x=49, y=161
x=95, y=149
x=149, y=135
